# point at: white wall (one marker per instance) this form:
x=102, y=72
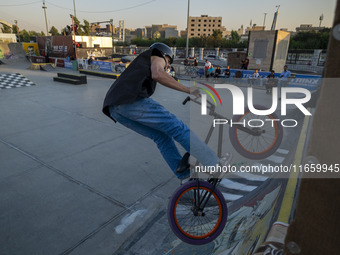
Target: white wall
x=8, y=38
x=104, y=42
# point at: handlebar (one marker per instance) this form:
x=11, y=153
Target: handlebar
x=186, y=100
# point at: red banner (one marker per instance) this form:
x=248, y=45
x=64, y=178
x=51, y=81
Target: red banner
x=56, y=46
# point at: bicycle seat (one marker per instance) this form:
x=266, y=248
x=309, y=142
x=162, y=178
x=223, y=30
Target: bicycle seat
x=183, y=164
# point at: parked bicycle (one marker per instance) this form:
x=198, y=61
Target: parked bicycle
x=197, y=211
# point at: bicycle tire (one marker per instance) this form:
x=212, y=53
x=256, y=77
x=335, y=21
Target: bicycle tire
x=266, y=144
x=180, y=211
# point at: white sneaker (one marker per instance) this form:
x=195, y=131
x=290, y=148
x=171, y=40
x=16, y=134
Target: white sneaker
x=224, y=161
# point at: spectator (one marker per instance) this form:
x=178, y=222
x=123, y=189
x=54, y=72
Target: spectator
x=217, y=72
x=227, y=72
x=92, y=57
x=271, y=82
x=186, y=62
x=284, y=79
x=253, y=77
x=211, y=71
x=207, y=65
x=245, y=63
x=195, y=63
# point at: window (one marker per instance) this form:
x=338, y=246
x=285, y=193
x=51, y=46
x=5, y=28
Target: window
x=199, y=29
x=199, y=34
x=199, y=20
x=192, y=29
x=192, y=20
x=204, y=30
x=192, y=34
x=192, y=25
x=205, y=20
x=199, y=25
x=205, y=25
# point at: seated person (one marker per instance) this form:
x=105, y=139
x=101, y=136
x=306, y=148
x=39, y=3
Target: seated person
x=227, y=72
x=186, y=62
x=195, y=63
x=253, y=77
x=211, y=71
x=218, y=72
x=92, y=57
x=271, y=82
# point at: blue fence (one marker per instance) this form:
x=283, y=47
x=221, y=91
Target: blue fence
x=310, y=82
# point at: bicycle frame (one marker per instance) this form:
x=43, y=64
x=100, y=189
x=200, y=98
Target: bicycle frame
x=200, y=202
x=213, y=113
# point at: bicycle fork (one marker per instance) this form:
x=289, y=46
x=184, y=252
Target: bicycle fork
x=201, y=201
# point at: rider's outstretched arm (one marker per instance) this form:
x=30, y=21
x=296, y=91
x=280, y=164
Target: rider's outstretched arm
x=158, y=73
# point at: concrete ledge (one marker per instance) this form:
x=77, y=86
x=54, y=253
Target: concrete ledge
x=101, y=74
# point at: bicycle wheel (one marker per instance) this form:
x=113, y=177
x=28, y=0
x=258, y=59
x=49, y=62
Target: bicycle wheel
x=261, y=146
x=195, y=226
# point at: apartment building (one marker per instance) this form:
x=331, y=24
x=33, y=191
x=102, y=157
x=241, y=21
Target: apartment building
x=205, y=25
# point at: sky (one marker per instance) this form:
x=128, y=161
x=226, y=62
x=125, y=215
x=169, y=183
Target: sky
x=141, y=13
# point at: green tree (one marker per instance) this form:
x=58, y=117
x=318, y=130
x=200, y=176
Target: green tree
x=86, y=28
x=310, y=40
x=235, y=37
x=6, y=29
x=25, y=36
x=53, y=31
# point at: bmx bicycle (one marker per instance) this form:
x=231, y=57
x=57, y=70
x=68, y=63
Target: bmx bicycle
x=197, y=211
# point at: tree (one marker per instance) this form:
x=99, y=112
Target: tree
x=235, y=37
x=86, y=28
x=53, y=31
x=24, y=35
x=6, y=29
x=310, y=40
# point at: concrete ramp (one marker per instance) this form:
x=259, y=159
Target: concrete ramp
x=47, y=67
x=17, y=50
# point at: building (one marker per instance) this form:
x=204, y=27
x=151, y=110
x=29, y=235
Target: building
x=308, y=28
x=205, y=26
x=96, y=29
x=254, y=28
x=161, y=31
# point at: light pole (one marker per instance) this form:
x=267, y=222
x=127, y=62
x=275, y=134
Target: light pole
x=187, y=44
x=16, y=23
x=264, y=20
x=74, y=8
x=44, y=7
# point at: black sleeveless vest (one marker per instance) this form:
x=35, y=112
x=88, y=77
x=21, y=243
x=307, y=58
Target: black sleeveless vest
x=135, y=82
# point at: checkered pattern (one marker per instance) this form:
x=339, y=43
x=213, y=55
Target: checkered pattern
x=14, y=80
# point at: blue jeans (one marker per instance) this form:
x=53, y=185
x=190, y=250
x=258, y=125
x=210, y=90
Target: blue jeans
x=148, y=118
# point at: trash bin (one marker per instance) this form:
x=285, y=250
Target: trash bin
x=74, y=65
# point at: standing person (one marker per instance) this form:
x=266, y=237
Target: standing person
x=271, y=82
x=227, y=72
x=207, y=65
x=128, y=102
x=284, y=79
x=245, y=63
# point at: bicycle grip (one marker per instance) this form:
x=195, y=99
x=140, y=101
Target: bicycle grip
x=186, y=100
